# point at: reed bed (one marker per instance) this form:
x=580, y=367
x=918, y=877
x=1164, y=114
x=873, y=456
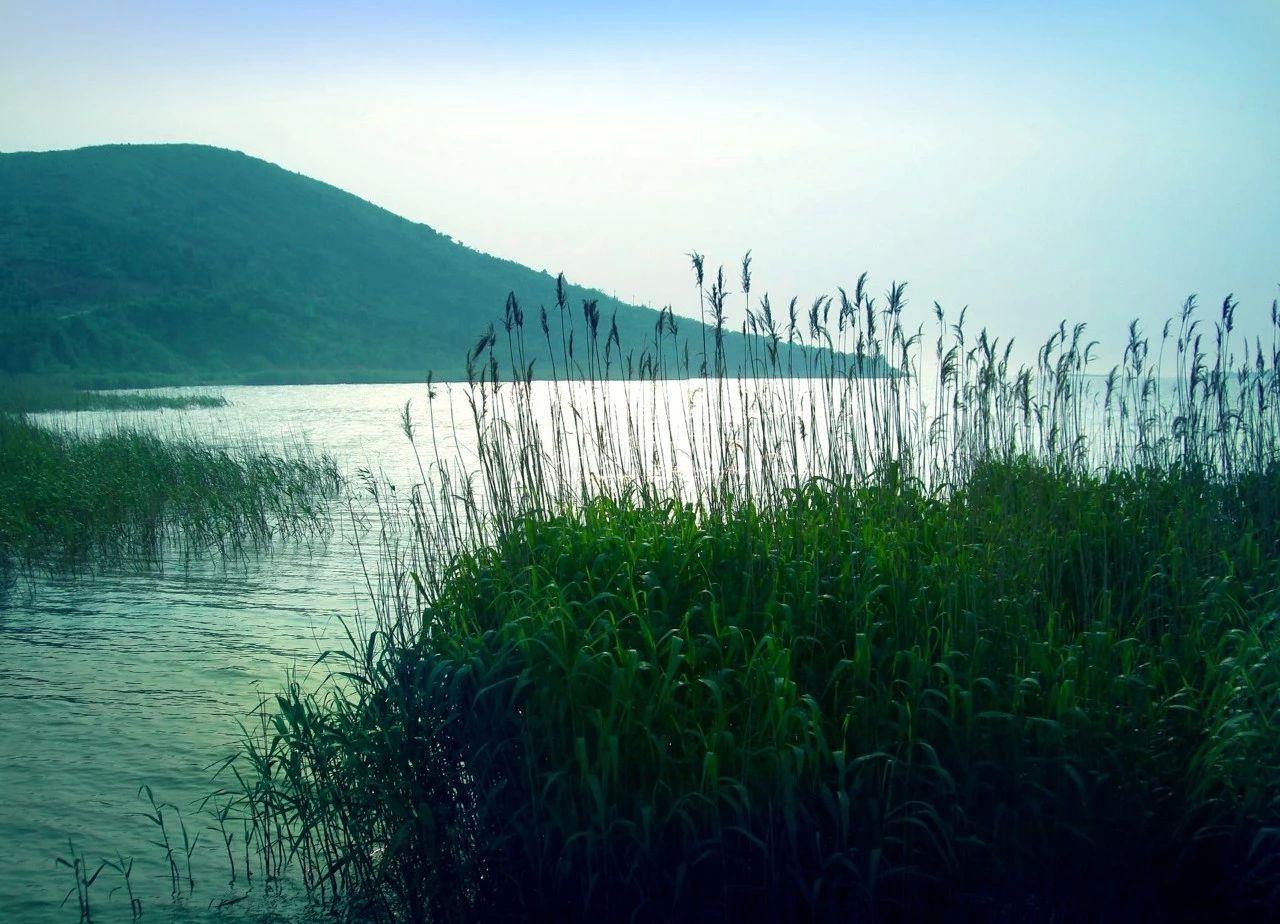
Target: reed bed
x=23, y=396
x=964, y=638
x=128, y=496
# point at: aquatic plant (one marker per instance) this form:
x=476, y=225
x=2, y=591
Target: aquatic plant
x=84, y=881
x=974, y=638
x=29, y=396
x=70, y=499
x=124, y=868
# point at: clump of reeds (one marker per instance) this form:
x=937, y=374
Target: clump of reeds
x=128, y=496
x=968, y=638
x=23, y=396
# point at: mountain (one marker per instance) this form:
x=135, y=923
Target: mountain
x=145, y=264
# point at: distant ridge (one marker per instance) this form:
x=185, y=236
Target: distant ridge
x=176, y=264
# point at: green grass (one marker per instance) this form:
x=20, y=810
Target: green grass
x=129, y=496
x=997, y=643
x=29, y=396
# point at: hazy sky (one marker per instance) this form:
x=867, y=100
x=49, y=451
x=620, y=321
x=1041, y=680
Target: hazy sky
x=1036, y=161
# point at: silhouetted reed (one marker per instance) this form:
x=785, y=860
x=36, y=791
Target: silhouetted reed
x=880, y=623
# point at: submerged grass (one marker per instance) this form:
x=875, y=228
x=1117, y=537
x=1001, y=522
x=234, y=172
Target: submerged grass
x=987, y=643
x=127, y=496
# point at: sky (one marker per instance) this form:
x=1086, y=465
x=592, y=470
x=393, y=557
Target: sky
x=1037, y=162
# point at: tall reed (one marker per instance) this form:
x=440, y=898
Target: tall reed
x=23, y=395
x=128, y=496
x=881, y=623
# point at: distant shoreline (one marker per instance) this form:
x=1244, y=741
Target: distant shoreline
x=322, y=377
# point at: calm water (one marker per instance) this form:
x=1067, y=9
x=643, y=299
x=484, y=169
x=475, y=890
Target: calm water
x=120, y=679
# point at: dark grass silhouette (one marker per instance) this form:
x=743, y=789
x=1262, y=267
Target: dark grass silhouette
x=984, y=643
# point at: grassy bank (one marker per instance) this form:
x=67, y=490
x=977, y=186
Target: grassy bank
x=991, y=643
x=126, y=496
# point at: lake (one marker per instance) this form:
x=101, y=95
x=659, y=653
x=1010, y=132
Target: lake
x=125, y=678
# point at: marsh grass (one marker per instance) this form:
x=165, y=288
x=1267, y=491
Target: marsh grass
x=126, y=496
x=123, y=867
x=23, y=396
x=84, y=881
x=972, y=640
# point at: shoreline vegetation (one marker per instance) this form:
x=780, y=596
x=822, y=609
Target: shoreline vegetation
x=130, y=497
x=34, y=396
x=977, y=641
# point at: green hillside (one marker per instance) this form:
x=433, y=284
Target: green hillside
x=141, y=264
